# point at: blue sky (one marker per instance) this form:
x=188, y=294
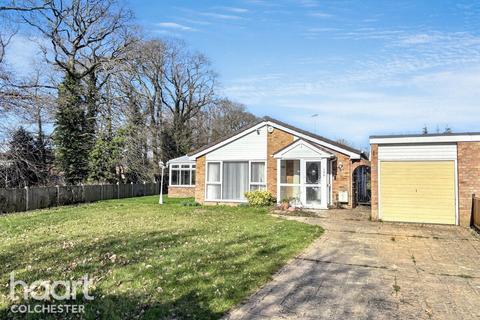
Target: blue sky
x=365, y=67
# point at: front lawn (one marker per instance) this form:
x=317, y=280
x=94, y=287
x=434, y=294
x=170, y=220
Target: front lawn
x=150, y=261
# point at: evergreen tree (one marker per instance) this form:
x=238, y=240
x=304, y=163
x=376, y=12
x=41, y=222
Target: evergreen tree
x=71, y=137
x=136, y=164
x=45, y=158
x=23, y=158
x=105, y=157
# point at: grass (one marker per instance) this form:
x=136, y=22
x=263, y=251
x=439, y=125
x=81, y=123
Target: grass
x=150, y=261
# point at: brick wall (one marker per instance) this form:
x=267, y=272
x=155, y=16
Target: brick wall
x=276, y=140
x=374, y=181
x=342, y=179
x=468, y=178
x=181, y=192
x=200, y=180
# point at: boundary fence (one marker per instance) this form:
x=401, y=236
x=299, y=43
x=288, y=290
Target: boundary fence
x=25, y=199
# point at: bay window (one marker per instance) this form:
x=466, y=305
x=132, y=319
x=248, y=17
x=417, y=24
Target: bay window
x=229, y=180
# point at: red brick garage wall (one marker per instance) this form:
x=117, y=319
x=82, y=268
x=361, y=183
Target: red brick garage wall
x=468, y=178
x=374, y=181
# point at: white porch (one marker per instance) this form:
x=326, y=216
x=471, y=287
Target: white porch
x=304, y=175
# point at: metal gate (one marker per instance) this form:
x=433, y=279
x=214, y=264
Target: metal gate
x=361, y=185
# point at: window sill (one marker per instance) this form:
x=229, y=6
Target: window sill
x=226, y=201
x=184, y=186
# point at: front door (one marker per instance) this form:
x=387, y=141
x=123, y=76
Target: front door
x=314, y=184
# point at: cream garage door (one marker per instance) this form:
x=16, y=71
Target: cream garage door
x=417, y=191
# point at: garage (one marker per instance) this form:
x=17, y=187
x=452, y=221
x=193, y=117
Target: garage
x=415, y=179
x=418, y=191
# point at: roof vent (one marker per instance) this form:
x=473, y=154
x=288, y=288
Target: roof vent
x=270, y=129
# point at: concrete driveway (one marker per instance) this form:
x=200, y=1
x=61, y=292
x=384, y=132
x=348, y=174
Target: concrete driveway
x=372, y=270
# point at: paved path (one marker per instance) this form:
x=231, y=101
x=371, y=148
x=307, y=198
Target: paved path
x=370, y=270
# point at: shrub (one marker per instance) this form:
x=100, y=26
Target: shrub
x=189, y=203
x=259, y=198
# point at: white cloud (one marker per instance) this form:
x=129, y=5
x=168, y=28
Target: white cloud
x=308, y=3
x=418, y=39
x=221, y=16
x=23, y=52
x=381, y=95
x=320, y=14
x=234, y=9
x=175, y=26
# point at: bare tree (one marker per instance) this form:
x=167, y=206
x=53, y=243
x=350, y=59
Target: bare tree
x=83, y=33
x=228, y=117
x=144, y=76
x=188, y=89
x=220, y=119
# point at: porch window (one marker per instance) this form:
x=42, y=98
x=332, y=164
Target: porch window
x=182, y=175
x=290, y=172
x=290, y=180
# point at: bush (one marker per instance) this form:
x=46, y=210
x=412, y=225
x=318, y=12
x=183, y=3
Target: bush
x=259, y=198
x=189, y=203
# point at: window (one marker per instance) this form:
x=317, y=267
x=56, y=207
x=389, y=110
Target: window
x=235, y=180
x=257, y=176
x=290, y=180
x=290, y=172
x=214, y=185
x=229, y=180
x=182, y=174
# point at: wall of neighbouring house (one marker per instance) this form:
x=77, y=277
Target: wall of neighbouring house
x=181, y=192
x=468, y=165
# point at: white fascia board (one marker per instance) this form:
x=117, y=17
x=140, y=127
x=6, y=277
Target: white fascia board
x=322, y=153
x=227, y=141
x=351, y=154
x=427, y=139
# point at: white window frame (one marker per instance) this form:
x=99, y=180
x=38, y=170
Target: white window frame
x=213, y=182
x=178, y=167
x=250, y=183
x=326, y=176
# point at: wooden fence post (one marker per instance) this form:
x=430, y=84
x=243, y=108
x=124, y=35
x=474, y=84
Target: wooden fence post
x=132, y=188
x=83, y=193
x=26, y=198
x=118, y=190
x=58, y=195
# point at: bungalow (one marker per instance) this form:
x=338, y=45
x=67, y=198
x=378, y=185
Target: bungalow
x=309, y=170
